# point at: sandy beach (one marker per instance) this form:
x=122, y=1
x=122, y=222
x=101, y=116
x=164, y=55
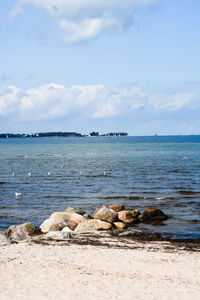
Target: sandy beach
x=99, y=267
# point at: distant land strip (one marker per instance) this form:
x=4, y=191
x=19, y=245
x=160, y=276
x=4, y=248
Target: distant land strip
x=59, y=134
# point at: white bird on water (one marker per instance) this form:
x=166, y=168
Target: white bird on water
x=29, y=174
x=49, y=173
x=18, y=194
x=13, y=174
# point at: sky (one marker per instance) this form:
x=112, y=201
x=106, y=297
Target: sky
x=100, y=65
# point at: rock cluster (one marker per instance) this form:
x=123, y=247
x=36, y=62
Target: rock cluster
x=74, y=220
x=62, y=225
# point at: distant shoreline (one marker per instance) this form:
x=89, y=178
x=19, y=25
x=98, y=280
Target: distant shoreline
x=75, y=134
x=60, y=134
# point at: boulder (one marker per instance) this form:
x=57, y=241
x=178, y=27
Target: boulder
x=152, y=215
x=99, y=224
x=71, y=210
x=28, y=227
x=125, y=216
x=92, y=225
x=71, y=224
x=59, y=216
x=117, y=207
x=4, y=240
x=75, y=217
x=66, y=229
x=58, y=235
x=19, y=234
x=135, y=213
x=87, y=217
x=52, y=225
x=140, y=218
x=105, y=214
x=85, y=227
x=119, y=225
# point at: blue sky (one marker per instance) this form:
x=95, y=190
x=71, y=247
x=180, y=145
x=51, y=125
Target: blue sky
x=103, y=65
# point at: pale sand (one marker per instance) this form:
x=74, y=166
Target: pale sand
x=63, y=270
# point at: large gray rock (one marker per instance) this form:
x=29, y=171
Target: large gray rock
x=99, y=224
x=92, y=225
x=58, y=235
x=28, y=227
x=72, y=210
x=52, y=225
x=74, y=217
x=19, y=234
x=66, y=229
x=85, y=227
x=105, y=214
x=4, y=240
x=58, y=216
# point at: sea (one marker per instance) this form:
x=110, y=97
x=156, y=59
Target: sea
x=51, y=174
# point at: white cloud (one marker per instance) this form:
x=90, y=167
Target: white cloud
x=51, y=101
x=85, y=19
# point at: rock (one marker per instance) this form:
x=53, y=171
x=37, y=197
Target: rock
x=85, y=227
x=135, y=213
x=19, y=234
x=12, y=229
x=105, y=214
x=58, y=216
x=28, y=227
x=4, y=240
x=67, y=235
x=125, y=216
x=87, y=217
x=117, y=207
x=66, y=229
x=92, y=225
x=71, y=210
x=71, y=224
x=152, y=215
x=58, y=235
x=75, y=217
x=99, y=224
x=140, y=218
x=52, y=225
x=119, y=225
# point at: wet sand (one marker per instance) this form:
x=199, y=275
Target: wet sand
x=100, y=266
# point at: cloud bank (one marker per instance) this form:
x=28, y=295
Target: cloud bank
x=82, y=20
x=89, y=102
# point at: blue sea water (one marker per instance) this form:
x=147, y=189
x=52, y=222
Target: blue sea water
x=139, y=172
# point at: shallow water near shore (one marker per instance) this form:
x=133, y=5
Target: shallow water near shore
x=50, y=174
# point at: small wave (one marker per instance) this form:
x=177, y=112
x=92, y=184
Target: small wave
x=185, y=192
x=44, y=155
x=122, y=198
x=11, y=217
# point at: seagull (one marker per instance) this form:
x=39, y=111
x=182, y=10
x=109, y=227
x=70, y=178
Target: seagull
x=103, y=174
x=185, y=157
x=18, y=194
x=13, y=174
x=49, y=173
x=29, y=174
